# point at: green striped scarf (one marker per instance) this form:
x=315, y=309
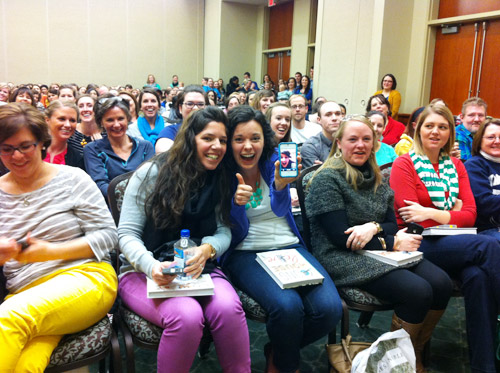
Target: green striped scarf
x=437, y=186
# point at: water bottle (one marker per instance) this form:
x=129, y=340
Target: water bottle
x=182, y=252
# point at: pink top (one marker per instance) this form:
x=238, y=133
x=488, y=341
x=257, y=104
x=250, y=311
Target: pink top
x=393, y=131
x=408, y=186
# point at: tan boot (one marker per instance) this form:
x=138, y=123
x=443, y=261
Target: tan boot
x=414, y=331
x=429, y=323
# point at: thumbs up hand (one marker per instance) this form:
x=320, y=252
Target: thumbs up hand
x=243, y=191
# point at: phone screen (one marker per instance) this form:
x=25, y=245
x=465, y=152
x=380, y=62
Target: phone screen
x=288, y=159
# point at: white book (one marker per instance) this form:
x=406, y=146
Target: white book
x=448, y=230
x=202, y=286
x=288, y=268
x=394, y=258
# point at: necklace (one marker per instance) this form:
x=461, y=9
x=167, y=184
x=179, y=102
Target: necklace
x=255, y=198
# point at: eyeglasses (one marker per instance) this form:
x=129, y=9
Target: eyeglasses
x=113, y=100
x=23, y=149
x=190, y=104
x=491, y=138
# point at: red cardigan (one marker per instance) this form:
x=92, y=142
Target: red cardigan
x=408, y=186
x=393, y=131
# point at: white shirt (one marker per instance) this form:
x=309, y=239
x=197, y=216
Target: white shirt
x=300, y=136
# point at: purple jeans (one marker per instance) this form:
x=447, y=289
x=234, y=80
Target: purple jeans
x=184, y=318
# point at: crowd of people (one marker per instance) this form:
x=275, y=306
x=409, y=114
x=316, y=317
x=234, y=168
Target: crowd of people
x=205, y=159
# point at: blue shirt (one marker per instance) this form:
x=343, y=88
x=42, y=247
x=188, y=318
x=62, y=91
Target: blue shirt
x=464, y=138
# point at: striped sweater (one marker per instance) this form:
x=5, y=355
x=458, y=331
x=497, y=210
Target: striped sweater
x=67, y=207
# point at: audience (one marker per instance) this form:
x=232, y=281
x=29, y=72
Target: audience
x=62, y=119
x=432, y=189
x=185, y=188
x=117, y=153
x=472, y=116
x=388, y=90
x=393, y=129
x=296, y=317
x=62, y=282
x=341, y=224
x=317, y=148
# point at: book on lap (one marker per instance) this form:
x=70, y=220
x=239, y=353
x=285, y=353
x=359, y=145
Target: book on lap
x=448, y=230
x=289, y=268
x=202, y=286
x=394, y=258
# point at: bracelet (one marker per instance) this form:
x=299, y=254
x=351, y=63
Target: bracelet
x=378, y=226
x=382, y=242
x=213, y=252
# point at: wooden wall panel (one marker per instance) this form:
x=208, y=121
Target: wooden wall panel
x=453, y=8
x=280, y=25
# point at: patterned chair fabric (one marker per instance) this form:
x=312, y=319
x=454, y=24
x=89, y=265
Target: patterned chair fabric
x=84, y=344
x=252, y=309
x=359, y=296
x=141, y=328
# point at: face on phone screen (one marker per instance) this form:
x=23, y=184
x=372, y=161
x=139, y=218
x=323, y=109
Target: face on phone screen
x=288, y=159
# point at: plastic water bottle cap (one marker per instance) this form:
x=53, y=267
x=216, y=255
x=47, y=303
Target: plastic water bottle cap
x=185, y=233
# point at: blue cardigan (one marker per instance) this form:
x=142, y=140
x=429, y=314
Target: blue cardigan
x=280, y=204
x=102, y=164
x=484, y=176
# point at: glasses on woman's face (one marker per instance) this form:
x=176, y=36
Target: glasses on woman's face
x=8, y=150
x=190, y=104
x=491, y=138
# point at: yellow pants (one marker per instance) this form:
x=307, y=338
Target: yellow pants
x=33, y=321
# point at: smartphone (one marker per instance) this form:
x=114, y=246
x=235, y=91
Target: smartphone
x=171, y=271
x=24, y=244
x=414, y=228
x=288, y=159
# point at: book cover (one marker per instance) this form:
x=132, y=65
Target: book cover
x=288, y=268
x=202, y=286
x=448, y=230
x=394, y=258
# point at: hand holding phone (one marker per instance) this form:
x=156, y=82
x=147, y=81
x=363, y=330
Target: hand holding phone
x=288, y=159
x=172, y=271
x=414, y=228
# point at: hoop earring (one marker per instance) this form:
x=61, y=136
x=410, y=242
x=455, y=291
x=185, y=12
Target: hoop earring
x=338, y=154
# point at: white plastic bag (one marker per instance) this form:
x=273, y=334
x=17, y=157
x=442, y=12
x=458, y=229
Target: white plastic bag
x=392, y=352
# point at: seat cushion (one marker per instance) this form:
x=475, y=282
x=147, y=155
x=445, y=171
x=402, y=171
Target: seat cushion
x=360, y=296
x=252, y=309
x=84, y=344
x=141, y=328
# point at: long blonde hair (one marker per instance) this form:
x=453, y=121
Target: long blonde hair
x=336, y=160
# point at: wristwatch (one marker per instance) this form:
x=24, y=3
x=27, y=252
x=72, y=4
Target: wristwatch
x=382, y=242
x=379, y=227
x=213, y=252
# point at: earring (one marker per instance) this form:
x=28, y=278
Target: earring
x=338, y=154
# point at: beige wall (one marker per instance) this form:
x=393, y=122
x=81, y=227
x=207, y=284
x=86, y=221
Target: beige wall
x=109, y=42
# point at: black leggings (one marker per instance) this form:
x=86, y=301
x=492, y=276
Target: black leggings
x=413, y=291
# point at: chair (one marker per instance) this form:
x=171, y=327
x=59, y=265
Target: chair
x=355, y=298
x=135, y=329
x=80, y=349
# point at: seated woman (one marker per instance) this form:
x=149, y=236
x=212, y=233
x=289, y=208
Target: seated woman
x=231, y=102
x=405, y=143
x=388, y=85
x=341, y=224
x=431, y=189
x=185, y=187
x=393, y=129
x=23, y=94
x=87, y=129
x=62, y=117
x=148, y=126
x=62, y=282
x=117, y=153
x=296, y=317
x=383, y=153
x=262, y=99
x=305, y=90
x=484, y=172
x=132, y=103
x=279, y=117
x=192, y=98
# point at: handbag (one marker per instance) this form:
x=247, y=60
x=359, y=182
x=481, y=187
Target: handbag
x=340, y=355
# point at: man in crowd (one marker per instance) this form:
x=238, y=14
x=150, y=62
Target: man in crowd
x=301, y=128
x=472, y=116
x=317, y=148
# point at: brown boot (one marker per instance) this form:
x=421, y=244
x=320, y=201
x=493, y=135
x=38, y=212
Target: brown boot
x=414, y=331
x=430, y=322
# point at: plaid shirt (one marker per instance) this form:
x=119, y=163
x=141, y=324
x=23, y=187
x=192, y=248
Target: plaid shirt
x=464, y=138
